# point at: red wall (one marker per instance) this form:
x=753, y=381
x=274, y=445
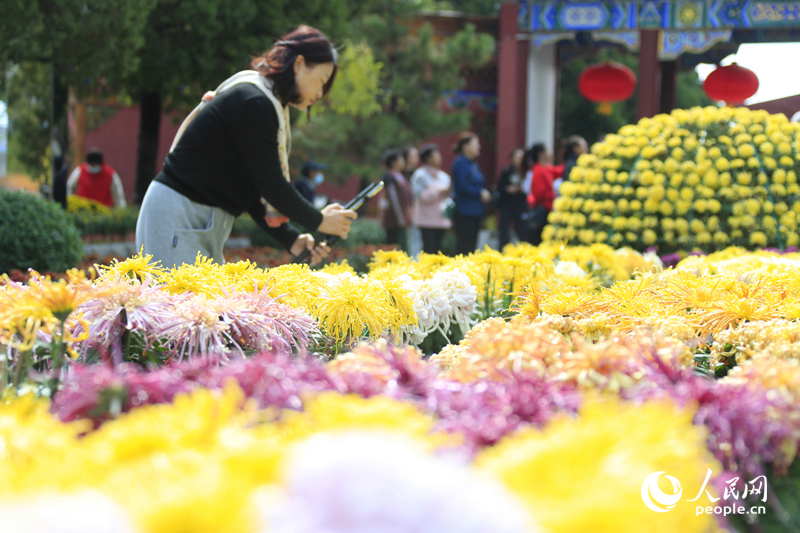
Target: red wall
x=118, y=139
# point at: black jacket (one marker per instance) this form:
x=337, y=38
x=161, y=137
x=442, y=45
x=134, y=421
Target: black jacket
x=510, y=201
x=228, y=158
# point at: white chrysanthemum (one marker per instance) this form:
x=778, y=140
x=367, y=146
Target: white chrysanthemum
x=463, y=296
x=569, y=269
x=360, y=482
x=87, y=512
x=653, y=258
x=432, y=306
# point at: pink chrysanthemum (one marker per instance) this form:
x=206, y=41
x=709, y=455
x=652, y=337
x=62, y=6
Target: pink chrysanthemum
x=259, y=322
x=132, y=306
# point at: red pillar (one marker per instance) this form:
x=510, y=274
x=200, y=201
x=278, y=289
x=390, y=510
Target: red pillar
x=649, y=75
x=512, y=84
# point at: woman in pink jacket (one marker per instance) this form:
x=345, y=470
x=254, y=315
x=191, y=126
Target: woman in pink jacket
x=430, y=186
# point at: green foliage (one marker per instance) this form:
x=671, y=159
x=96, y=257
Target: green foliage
x=191, y=46
x=118, y=222
x=364, y=231
x=29, y=113
x=86, y=40
x=35, y=233
x=417, y=70
x=356, y=89
x=88, y=45
x=579, y=116
x=472, y=7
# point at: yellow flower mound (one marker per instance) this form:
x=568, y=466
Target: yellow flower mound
x=586, y=474
x=77, y=203
x=581, y=352
x=189, y=466
x=746, y=301
x=704, y=177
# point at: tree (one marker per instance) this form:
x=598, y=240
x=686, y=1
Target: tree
x=416, y=70
x=88, y=45
x=579, y=116
x=193, y=45
x=29, y=112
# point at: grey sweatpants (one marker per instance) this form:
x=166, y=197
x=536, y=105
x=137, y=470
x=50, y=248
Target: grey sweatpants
x=173, y=229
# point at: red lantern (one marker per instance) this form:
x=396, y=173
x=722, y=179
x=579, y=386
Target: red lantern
x=607, y=82
x=732, y=84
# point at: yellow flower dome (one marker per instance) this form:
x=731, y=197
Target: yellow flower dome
x=735, y=166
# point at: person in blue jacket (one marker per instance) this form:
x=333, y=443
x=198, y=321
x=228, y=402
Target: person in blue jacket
x=469, y=192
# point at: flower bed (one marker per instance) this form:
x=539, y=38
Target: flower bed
x=706, y=178
x=216, y=408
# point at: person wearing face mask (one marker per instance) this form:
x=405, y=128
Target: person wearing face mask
x=97, y=181
x=310, y=178
x=231, y=155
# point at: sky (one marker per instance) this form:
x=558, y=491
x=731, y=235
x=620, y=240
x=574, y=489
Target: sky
x=773, y=63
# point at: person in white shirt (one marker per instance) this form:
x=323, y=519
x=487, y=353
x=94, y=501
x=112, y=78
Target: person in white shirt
x=430, y=186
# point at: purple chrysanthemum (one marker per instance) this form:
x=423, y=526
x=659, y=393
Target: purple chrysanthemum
x=483, y=411
x=270, y=379
x=748, y=426
x=486, y=411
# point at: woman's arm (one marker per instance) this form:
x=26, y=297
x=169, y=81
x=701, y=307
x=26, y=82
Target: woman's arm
x=254, y=128
x=285, y=234
x=462, y=182
x=418, y=183
x=425, y=188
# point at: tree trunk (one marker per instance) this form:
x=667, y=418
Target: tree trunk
x=149, y=126
x=60, y=106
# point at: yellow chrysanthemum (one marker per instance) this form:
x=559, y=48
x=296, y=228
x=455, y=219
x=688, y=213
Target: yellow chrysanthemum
x=613, y=447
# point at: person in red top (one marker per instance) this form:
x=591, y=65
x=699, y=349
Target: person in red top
x=97, y=181
x=539, y=189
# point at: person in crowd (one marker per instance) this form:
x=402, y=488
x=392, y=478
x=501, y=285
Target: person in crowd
x=397, y=216
x=512, y=201
x=97, y=181
x=469, y=192
x=430, y=186
x=574, y=147
x=231, y=156
x=539, y=189
x=60, y=177
x=310, y=178
x=413, y=235
x=412, y=158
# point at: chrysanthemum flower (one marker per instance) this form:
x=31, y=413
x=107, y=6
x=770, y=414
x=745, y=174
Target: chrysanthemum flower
x=258, y=322
x=613, y=447
x=355, y=309
x=360, y=482
x=138, y=266
x=195, y=327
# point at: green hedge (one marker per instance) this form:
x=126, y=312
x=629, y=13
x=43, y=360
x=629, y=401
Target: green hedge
x=364, y=231
x=117, y=222
x=36, y=233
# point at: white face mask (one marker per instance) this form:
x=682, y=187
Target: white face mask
x=318, y=179
x=94, y=169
